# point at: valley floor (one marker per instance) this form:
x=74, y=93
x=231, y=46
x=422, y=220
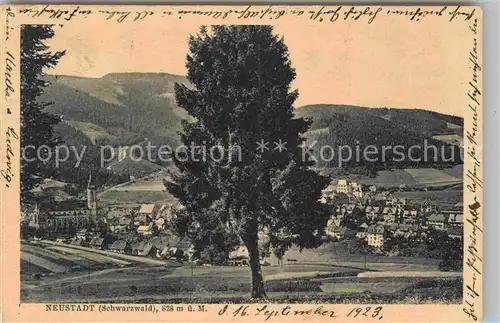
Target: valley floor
x=85, y=276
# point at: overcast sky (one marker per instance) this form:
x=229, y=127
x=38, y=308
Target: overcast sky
x=410, y=65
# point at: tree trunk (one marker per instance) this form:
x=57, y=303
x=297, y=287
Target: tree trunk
x=258, y=291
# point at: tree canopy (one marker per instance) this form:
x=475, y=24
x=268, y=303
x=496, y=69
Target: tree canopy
x=36, y=125
x=241, y=96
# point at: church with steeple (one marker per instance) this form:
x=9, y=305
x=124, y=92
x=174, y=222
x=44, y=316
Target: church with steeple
x=91, y=196
x=60, y=216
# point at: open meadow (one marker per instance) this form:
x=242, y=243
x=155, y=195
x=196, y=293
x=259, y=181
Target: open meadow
x=77, y=274
x=145, y=190
x=413, y=177
x=448, y=197
x=130, y=197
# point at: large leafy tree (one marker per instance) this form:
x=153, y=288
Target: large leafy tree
x=241, y=77
x=36, y=125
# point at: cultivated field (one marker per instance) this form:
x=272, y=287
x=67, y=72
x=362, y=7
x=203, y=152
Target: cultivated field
x=141, y=186
x=149, y=189
x=124, y=197
x=451, y=139
x=62, y=260
x=447, y=197
x=430, y=176
x=89, y=255
x=80, y=274
x=336, y=254
x=207, y=284
x=413, y=177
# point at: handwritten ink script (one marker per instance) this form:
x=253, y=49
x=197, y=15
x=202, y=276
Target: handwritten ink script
x=268, y=313
x=10, y=65
x=7, y=173
x=8, y=28
x=54, y=12
x=473, y=259
x=9, y=68
x=320, y=14
x=10, y=61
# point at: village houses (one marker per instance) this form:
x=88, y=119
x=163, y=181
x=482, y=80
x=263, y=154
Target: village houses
x=437, y=221
x=350, y=188
x=376, y=235
x=147, y=213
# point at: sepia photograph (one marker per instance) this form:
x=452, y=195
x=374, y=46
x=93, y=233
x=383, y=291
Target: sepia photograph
x=239, y=162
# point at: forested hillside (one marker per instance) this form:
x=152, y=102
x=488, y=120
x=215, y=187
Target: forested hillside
x=125, y=109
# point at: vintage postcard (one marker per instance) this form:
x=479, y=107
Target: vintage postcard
x=242, y=163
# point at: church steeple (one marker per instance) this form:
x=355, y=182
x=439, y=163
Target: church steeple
x=35, y=218
x=91, y=196
x=90, y=184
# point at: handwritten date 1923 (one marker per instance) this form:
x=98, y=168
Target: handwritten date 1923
x=270, y=313
x=367, y=311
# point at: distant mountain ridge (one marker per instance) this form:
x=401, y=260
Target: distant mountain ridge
x=122, y=109
x=143, y=104
x=353, y=126
x=419, y=121
x=130, y=106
